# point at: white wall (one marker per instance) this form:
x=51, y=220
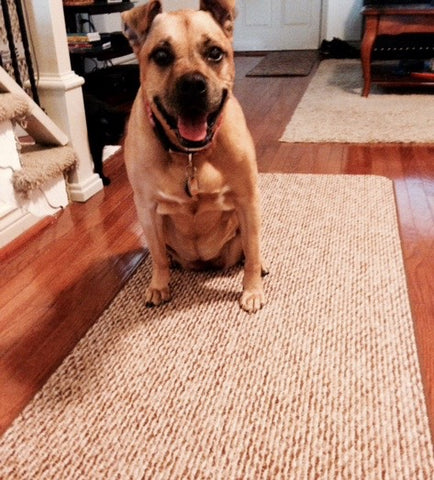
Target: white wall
x=112, y=22
x=179, y=4
x=342, y=19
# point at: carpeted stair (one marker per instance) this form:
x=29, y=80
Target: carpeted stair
x=39, y=163
x=12, y=107
x=32, y=176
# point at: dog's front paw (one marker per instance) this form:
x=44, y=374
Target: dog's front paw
x=252, y=300
x=157, y=296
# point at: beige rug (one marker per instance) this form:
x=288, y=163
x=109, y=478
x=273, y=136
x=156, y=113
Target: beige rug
x=323, y=383
x=285, y=64
x=332, y=110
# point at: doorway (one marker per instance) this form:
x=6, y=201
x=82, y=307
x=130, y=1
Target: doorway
x=277, y=25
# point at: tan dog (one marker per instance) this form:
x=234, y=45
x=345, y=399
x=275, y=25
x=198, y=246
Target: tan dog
x=189, y=156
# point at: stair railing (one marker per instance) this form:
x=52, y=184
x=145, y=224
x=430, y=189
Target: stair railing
x=15, y=55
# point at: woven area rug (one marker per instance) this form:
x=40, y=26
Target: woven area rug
x=332, y=110
x=322, y=383
x=285, y=64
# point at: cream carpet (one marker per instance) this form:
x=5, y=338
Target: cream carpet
x=332, y=110
x=323, y=383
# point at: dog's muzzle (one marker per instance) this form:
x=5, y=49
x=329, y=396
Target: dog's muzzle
x=194, y=125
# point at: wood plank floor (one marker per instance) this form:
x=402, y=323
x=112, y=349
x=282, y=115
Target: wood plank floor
x=56, y=284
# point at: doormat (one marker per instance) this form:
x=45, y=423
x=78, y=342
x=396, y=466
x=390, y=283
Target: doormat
x=285, y=63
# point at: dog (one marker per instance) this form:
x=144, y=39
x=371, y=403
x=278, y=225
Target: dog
x=189, y=156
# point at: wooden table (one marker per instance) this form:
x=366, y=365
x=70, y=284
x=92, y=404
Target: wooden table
x=392, y=20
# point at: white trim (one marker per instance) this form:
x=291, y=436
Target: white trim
x=324, y=17
x=109, y=150
x=81, y=192
x=14, y=224
x=63, y=82
x=5, y=209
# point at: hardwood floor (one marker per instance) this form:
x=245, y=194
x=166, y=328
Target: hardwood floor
x=56, y=284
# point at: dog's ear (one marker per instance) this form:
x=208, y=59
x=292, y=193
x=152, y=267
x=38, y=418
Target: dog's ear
x=223, y=12
x=137, y=23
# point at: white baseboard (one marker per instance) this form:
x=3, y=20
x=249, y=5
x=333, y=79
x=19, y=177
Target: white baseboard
x=15, y=223
x=81, y=192
x=109, y=150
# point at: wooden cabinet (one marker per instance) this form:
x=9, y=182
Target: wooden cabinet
x=393, y=20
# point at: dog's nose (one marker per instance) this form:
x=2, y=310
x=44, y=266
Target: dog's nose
x=192, y=85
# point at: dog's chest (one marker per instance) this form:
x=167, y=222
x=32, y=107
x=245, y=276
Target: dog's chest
x=193, y=190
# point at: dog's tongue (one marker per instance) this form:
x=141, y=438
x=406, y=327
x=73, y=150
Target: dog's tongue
x=194, y=130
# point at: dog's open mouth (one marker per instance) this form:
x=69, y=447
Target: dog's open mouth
x=193, y=129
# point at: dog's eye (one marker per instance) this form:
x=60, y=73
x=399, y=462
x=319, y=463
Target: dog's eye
x=215, y=54
x=162, y=57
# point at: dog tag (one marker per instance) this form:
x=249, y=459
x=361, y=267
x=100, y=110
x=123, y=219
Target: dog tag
x=191, y=183
x=192, y=186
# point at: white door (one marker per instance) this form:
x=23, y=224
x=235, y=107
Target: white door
x=277, y=25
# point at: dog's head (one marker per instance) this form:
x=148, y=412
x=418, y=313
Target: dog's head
x=186, y=64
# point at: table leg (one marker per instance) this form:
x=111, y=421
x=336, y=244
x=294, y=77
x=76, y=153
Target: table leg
x=371, y=27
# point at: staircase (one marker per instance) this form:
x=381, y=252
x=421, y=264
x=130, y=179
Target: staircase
x=32, y=174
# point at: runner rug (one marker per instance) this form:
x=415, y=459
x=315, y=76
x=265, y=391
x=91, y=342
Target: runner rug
x=333, y=110
x=322, y=383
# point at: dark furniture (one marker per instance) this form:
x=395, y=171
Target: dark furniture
x=119, y=44
x=393, y=20
x=109, y=91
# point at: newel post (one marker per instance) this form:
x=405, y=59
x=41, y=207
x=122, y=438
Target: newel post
x=60, y=90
